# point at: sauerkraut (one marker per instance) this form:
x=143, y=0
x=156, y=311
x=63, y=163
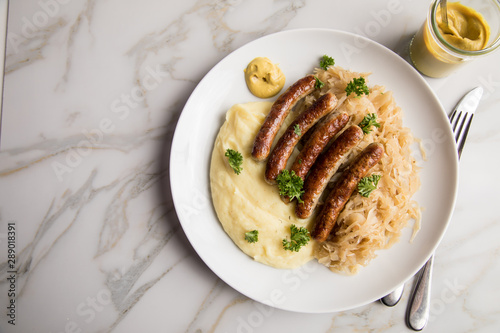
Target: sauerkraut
x=368, y=224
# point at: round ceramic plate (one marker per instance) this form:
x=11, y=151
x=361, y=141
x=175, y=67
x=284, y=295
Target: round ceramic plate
x=311, y=288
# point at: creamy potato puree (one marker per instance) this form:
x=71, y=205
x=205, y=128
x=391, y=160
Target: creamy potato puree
x=245, y=202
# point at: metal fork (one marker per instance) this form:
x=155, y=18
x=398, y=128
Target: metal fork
x=418, y=308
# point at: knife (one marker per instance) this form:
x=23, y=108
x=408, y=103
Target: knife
x=419, y=304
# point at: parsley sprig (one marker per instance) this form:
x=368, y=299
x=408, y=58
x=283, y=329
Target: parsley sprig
x=368, y=121
x=298, y=238
x=357, y=86
x=296, y=129
x=290, y=185
x=368, y=184
x=319, y=84
x=252, y=236
x=235, y=160
x=326, y=62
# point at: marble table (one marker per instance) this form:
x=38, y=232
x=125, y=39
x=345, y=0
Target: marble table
x=98, y=245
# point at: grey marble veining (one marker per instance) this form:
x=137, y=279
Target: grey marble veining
x=93, y=92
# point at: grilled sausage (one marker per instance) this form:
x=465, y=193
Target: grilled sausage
x=279, y=111
x=281, y=153
x=322, y=134
x=343, y=189
x=324, y=169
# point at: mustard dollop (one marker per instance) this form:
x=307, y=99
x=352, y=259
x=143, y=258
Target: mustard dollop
x=264, y=78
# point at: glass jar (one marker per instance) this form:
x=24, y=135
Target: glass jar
x=434, y=56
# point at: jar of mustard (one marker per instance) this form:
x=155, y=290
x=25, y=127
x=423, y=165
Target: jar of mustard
x=473, y=30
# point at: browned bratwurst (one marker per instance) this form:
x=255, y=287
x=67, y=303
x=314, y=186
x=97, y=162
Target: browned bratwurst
x=279, y=111
x=284, y=148
x=343, y=189
x=321, y=135
x=325, y=167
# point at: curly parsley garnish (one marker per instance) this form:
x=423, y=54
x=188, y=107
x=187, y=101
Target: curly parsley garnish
x=368, y=121
x=252, y=236
x=319, y=84
x=235, y=160
x=298, y=238
x=290, y=185
x=368, y=184
x=296, y=129
x=326, y=62
x=357, y=86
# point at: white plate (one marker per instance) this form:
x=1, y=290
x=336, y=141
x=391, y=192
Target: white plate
x=311, y=288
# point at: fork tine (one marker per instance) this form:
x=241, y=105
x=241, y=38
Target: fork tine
x=464, y=136
x=460, y=123
x=455, y=121
x=453, y=116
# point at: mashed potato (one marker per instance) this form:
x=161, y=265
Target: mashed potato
x=245, y=202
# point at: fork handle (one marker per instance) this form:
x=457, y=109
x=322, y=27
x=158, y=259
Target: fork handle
x=418, y=309
x=394, y=297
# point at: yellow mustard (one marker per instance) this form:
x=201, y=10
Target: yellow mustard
x=263, y=78
x=467, y=30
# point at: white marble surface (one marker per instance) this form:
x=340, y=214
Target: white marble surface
x=99, y=247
